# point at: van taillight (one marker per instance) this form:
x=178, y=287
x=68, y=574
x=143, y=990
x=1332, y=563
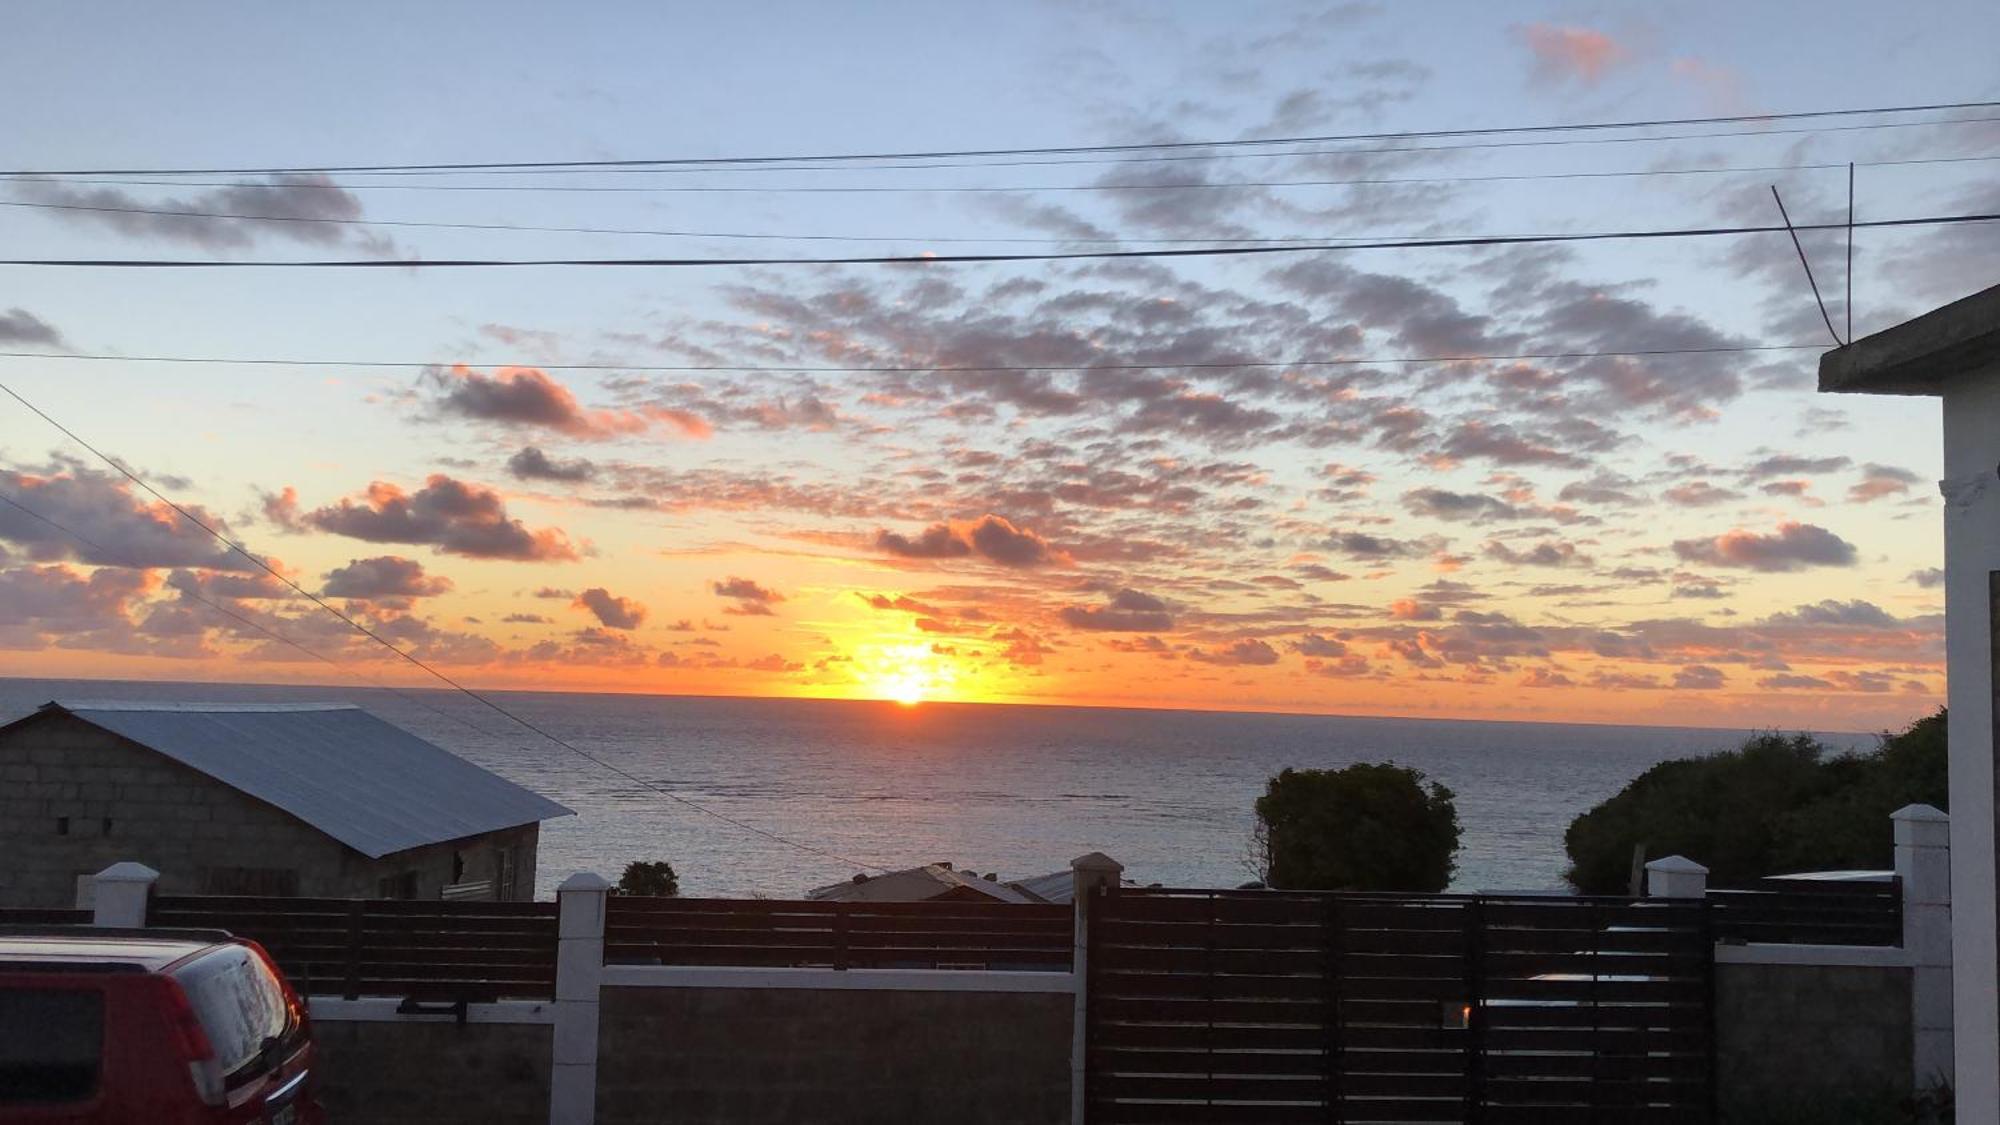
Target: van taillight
x=190, y=1042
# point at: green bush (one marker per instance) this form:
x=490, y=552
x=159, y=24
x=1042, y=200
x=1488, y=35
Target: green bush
x=1773, y=805
x=1368, y=827
x=648, y=880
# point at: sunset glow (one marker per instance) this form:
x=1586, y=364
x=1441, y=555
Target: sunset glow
x=1585, y=481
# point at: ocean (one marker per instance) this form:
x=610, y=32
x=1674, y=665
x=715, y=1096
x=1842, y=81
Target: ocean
x=1015, y=789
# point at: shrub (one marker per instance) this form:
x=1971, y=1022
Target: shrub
x=1773, y=805
x=649, y=880
x=1368, y=827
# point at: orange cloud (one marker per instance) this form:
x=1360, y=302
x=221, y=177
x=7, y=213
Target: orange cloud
x=1566, y=54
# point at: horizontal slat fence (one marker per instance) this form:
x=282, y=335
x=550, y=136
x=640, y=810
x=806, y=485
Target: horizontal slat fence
x=43, y=916
x=389, y=947
x=840, y=935
x=1810, y=912
x=1274, y=1007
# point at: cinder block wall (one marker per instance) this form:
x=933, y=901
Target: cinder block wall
x=1792, y=1035
x=738, y=1056
x=433, y=1073
x=179, y=821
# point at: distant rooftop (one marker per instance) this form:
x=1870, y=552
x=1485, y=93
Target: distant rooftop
x=366, y=782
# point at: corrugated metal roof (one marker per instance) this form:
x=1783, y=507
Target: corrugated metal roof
x=366, y=782
x=915, y=884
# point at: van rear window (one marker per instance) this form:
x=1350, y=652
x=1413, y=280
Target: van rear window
x=240, y=1005
x=51, y=1044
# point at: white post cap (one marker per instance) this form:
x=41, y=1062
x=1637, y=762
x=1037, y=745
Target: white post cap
x=584, y=881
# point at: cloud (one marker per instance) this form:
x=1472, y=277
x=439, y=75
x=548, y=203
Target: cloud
x=1794, y=546
x=612, y=612
x=308, y=208
x=1699, y=494
x=385, y=576
x=1793, y=465
x=1788, y=681
x=1248, y=651
x=1470, y=507
x=1699, y=677
x=1878, y=481
x=528, y=396
x=1565, y=54
x=990, y=537
x=1929, y=578
x=1128, y=611
x=455, y=517
x=108, y=523
x=20, y=327
x=1313, y=644
x=527, y=619
x=532, y=464
x=1548, y=552
x=752, y=600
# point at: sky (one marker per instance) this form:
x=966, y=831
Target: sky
x=1220, y=483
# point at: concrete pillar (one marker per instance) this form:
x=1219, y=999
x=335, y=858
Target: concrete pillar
x=1923, y=863
x=579, y=971
x=1676, y=876
x=1091, y=873
x=1972, y=559
x=121, y=894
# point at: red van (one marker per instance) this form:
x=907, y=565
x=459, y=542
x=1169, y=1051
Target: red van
x=160, y=1027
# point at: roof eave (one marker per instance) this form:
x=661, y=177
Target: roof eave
x=1919, y=356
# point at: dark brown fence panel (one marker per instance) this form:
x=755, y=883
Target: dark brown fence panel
x=840, y=935
x=453, y=950
x=1240, y=1006
x=43, y=916
x=1810, y=912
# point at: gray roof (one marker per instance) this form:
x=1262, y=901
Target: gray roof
x=367, y=783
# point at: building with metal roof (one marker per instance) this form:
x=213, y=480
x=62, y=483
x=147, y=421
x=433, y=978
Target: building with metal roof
x=280, y=799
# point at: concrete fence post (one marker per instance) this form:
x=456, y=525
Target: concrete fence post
x=1676, y=876
x=120, y=895
x=1923, y=863
x=579, y=972
x=1090, y=874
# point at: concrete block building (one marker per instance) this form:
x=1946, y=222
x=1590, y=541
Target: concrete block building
x=255, y=799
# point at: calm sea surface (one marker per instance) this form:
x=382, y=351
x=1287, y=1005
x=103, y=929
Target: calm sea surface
x=1020, y=790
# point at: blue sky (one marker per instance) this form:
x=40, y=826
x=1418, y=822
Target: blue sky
x=1622, y=553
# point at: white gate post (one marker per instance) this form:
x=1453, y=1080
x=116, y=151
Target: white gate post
x=579, y=971
x=1089, y=874
x=1676, y=876
x=1923, y=863
x=120, y=896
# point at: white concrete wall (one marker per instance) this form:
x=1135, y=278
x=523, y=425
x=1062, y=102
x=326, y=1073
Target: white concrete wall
x=1972, y=551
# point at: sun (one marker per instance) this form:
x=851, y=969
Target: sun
x=908, y=674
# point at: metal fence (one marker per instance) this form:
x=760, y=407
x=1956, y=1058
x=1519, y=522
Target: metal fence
x=840, y=935
x=1212, y=1006
x=388, y=947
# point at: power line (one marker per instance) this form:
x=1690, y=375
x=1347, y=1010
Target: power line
x=807, y=369
x=371, y=634
x=852, y=189
x=1058, y=150
x=959, y=259
x=247, y=216
x=249, y=623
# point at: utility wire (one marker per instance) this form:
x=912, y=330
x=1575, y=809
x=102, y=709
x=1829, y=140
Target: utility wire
x=953, y=259
x=851, y=189
x=250, y=623
x=248, y=216
x=1156, y=146
x=806, y=369
x=371, y=634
